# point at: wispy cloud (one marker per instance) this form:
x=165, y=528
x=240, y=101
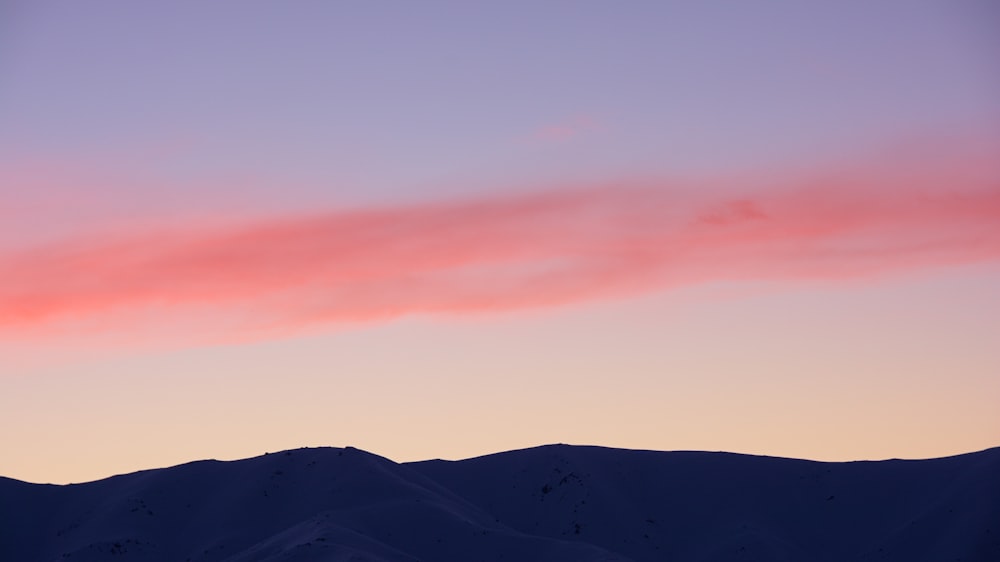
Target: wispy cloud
x=565, y=130
x=290, y=272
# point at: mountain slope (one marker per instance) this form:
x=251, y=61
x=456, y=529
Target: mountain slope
x=716, y=506
x=549, y=503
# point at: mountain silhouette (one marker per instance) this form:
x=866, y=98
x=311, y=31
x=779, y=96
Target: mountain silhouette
x=551, y=503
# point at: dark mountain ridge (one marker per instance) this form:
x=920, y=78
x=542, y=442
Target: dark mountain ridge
x=549, y=503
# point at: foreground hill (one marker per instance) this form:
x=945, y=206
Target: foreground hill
x=553, y=503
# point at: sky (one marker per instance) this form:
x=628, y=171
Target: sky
x=445, y=229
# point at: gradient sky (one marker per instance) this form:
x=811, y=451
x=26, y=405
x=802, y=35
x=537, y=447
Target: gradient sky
x=443, y=229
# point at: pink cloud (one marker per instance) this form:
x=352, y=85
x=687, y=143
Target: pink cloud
x=291, y=272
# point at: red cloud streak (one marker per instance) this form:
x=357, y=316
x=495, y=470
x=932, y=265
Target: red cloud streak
x=502, y=253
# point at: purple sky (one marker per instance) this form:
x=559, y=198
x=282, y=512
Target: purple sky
x=160, y=164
